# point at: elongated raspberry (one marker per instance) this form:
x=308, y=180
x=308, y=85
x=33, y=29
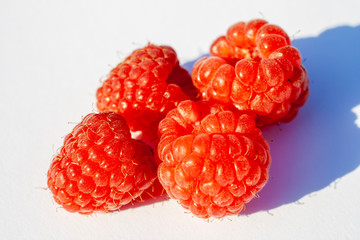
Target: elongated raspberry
x=99, y=167
x=255, y=69
x=144, y=87
x=213, y=160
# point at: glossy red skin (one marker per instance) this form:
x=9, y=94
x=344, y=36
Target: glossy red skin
x=254, y=68
x=213, y=160
x=99, y=167
x=144, y=87
x=255, y=39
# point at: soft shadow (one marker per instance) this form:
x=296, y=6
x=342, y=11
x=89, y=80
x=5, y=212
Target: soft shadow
x=322, y=143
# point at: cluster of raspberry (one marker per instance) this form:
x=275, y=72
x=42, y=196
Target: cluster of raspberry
x=200, y=135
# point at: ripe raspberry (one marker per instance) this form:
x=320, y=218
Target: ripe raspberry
x=100, y=168
x=255, y=39
x=255, y=69
x=213, y=160
x=144, y=87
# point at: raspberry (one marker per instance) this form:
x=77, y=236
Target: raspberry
x=255, y=39
x=99, y=167
x=255, y=69
x=213, y=160
x=144, y=87
x=181, y=77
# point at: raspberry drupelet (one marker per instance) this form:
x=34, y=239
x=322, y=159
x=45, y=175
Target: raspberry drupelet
x=144, y=87
x=99, y=167
x=255, y=68
x=213, y=160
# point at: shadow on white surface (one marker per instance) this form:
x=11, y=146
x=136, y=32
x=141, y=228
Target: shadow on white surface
x=322, y=143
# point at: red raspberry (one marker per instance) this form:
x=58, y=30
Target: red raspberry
x=100, y=168
x=255, y=39
x=213, y=160
x=144, y=87
x=255, y=69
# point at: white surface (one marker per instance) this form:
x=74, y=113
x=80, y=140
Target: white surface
x=53, y=54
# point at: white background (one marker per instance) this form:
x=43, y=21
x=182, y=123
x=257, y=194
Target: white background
x=53, y=55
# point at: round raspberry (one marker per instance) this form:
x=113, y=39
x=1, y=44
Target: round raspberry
x=213, y=160
x=144, y=87
x=100, y=168
x=255, y=39
x=255, y=69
